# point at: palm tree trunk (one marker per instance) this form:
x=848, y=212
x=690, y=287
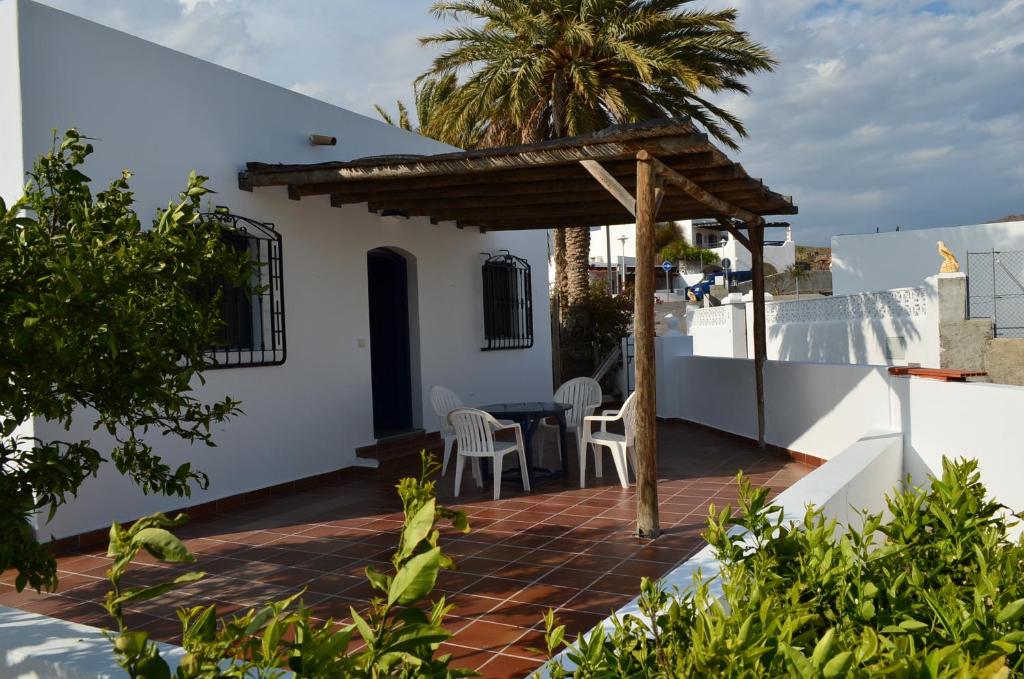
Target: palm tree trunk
x=577, y=260
x=561, y=273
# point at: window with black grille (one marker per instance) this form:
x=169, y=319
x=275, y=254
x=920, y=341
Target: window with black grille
x=253, y=329
x=508, y=303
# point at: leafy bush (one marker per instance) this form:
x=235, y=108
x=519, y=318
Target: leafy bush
x=934, y=591
x=401, y=633
x=97, y=321
x=593, y=328
x=681, y=251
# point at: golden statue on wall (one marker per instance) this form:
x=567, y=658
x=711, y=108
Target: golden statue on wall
x=950, y=264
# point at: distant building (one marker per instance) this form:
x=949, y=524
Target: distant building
x=778, y=253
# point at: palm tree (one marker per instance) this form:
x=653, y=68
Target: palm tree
x=428, y=94
x=543, y=69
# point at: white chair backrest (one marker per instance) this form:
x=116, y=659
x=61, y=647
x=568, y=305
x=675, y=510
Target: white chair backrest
x=628, y=414
x=444, y=400
x=474, y=430
x=579, y=392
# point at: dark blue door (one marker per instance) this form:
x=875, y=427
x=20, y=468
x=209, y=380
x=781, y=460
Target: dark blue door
x=391, y=374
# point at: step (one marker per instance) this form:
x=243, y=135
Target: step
x=400, y=447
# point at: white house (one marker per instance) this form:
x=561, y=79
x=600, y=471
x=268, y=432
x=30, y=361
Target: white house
x=617, y=244
x=779, y=248
x=362, y=293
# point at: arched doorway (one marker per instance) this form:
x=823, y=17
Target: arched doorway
x=390, y=355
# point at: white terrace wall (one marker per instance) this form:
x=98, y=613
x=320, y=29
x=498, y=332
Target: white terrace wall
x=881, y=328
x=718, y=331
x=162, y=113
x=882, y=261
x=821, y=409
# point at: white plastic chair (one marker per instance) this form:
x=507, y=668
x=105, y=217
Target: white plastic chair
x=444, y=400
x=474, y=430
x=584, y=395
x=620, y=445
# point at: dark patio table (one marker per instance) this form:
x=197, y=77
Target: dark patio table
x=528, y=416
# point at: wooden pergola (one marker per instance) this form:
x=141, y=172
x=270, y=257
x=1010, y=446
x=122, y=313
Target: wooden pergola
x=659, y=170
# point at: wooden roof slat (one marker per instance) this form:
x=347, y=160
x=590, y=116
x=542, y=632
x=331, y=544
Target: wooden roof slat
x=711, y=178
x=540, y=185
x=590, y=199
x=703, y=161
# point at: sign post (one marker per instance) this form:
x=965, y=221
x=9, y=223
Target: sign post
x=666, y=266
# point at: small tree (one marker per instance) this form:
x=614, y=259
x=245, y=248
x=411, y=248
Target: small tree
x=797, y=272
x=98, y=320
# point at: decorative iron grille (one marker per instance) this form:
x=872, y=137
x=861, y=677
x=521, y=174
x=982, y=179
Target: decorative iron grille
x=253, y=333
x=508, y=302
x=995, y=289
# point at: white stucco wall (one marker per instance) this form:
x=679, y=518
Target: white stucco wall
x=899, y=259
x=12, y=172
x=811, y=408
x=820, y=409
x=963, y=420
x=162, y=113
x=718, y=331
x=865, y=328
x=893, y=327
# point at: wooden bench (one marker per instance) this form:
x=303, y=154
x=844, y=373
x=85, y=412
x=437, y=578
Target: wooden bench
x=941, y=374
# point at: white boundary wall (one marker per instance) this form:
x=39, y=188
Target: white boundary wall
x=860, y=328
x=821, y=409
x=881, y=328
x=162, y=113
x=882, y=261
x=718, y=331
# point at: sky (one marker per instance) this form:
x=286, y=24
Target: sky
x=882, y=113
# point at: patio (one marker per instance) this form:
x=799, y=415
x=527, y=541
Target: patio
x=564, y=547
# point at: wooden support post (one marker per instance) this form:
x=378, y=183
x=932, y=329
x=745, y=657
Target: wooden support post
x=645, y=440
x=756, y=237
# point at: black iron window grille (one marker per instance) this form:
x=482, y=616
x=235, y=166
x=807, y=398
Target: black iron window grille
x=508, y=302
x=253, y=332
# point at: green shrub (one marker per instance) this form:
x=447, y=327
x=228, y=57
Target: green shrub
x=934, y=591
x=592, y=328
x=401, y=632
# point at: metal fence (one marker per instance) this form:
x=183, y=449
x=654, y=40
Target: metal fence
x=995, y=289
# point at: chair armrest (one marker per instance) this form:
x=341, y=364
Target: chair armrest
x=603, y=419
x=609, y=412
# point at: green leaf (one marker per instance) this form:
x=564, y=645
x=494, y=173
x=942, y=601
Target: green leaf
x=912, y=625
x=418, y=527
x=1011, y=611
x=415, y=578
x=823, y=649
x=153, y=667
x=839, y=665
x=378, y=580
x=146, y=593
x=163, y=545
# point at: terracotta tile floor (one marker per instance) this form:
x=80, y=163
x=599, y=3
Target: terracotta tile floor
x=563, y=547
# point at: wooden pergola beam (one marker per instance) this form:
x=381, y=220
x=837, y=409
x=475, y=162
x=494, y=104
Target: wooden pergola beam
x=693, y=189
x=756, y=235
x=735, y=233
x=645, y=441
x=610, y=184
